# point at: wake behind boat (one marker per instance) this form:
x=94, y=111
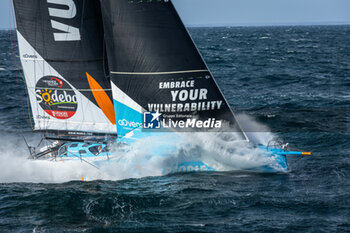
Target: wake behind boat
x=104, y=75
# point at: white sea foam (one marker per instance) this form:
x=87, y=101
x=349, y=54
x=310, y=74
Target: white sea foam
x=147, y=158
x=225, y=152
x=15, y=167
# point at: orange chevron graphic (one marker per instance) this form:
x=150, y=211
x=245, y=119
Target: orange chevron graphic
x=102, y=99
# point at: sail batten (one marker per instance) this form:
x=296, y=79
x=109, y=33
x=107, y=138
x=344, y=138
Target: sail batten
x=160, y=73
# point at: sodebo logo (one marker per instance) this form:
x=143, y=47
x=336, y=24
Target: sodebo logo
x=56, y=97
x=129, y=124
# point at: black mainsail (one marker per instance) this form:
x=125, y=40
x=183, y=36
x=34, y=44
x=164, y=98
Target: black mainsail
x=62, y=53
x=155, y=66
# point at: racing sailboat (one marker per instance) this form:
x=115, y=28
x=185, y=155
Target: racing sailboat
x=119, y=71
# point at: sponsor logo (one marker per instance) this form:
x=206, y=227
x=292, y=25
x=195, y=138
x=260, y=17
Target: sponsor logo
x=152, y=120
x=56, y=97
x=66, y=10
x=43, y=117
x=28, y=56
x=210, y=123
x=195, y=166
x=79, y=133
x=129, y=124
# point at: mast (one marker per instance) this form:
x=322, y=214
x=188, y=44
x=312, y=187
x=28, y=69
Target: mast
x=155, y=66
x=62, y=54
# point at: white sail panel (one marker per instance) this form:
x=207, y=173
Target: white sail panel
x=58, y=105
x=129, y=113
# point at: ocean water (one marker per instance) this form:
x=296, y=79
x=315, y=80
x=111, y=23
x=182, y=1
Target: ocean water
x=292, y=82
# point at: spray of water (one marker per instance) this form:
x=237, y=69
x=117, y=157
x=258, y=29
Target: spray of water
x=15, y=167
x=225, y=152
x=147, y=157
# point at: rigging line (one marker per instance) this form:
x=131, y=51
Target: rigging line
x=11, y=14
x=25, y=141
x=42, y=139
x=30, y=118
x=83, y=160
x=160, y=73
x=11, y=22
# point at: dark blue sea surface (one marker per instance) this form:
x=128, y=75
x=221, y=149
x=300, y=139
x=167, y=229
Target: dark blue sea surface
x=293, y=80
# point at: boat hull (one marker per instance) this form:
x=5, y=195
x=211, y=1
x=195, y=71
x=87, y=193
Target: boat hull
x=170, y=158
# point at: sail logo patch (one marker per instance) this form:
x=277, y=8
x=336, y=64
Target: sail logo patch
x=56, y=97
x=68, y=32
x=129, y=124
x=151, y=120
